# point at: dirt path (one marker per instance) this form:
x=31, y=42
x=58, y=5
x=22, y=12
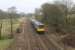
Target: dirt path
x=28, y=39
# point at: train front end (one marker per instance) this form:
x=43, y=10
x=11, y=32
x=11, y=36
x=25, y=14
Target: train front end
x=40, y=29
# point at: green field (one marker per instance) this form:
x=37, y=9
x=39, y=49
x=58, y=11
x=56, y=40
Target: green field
x=5, y=43
x=6, y=30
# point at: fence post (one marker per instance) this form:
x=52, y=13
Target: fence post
x=0, y=30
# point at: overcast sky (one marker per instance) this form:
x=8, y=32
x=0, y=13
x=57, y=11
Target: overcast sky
x=26, y=6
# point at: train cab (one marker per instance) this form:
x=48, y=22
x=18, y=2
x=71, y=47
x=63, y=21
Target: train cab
x=38, y=26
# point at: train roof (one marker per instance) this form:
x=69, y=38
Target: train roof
x=37, y=22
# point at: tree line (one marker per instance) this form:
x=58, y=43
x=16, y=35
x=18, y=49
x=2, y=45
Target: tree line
x=59, y=14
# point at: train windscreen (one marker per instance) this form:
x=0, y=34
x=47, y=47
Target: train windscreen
x=41, y=26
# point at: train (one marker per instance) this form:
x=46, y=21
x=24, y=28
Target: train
x=38, y=26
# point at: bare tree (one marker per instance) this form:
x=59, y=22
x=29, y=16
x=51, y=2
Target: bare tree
x=68, y=4
x=11, y=11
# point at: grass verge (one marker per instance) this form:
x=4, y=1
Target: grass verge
x=5, y=43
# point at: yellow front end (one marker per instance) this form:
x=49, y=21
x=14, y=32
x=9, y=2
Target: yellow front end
x=40, y=30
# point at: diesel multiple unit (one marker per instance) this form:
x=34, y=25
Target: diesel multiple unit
x=38, y=26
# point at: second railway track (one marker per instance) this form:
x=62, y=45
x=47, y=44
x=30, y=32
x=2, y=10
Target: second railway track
x=43, y=41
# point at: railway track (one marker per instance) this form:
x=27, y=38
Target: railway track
x=28, y=39
x=43, y=40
